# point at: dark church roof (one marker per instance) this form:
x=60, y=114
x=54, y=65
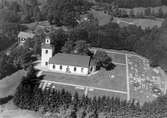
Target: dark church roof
x=70, y=59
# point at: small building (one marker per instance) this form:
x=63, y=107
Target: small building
x=65, y=63
x=23, y=36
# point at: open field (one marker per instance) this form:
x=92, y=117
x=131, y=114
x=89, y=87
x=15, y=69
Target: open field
x=102, y=17
x=139, y=10
x=143, y=23
x=9, y=84
x=19, y=114
x=9, y=110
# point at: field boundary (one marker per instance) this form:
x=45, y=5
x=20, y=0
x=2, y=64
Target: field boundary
x=121, y=53
x=127, y=78
x=87, y=88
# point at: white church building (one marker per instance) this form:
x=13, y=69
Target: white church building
x=65, y=63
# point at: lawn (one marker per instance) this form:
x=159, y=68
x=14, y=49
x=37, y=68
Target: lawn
x=114, y=79
x=118, y=58
x=110, y=80
x=102, y=17
x=19, y=114
x=142, y=22
x=9, y=84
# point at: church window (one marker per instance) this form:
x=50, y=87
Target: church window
x=82, y=69
x=75, y=68
x=46, y=51
x=53, y=66
x=60, y=67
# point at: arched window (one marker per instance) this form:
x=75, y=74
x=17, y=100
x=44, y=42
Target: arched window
x=75, y=69
x=46, y=63
x=46, y=51
x=53, y=66
x=61, y=67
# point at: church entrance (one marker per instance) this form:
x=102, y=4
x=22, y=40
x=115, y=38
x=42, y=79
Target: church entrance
x=68, y=69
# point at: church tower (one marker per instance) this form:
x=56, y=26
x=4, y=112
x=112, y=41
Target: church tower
x=46, y=52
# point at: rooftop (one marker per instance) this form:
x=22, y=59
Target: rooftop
x=26, y=35
x=70, y=59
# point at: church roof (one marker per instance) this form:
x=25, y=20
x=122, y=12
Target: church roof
x=70, y=59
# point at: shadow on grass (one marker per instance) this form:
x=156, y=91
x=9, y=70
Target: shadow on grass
x=5, y=99
x=111, y=66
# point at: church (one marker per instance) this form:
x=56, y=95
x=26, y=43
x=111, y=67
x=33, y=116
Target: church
x=65, y=63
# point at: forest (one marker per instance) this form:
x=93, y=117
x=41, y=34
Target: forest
x=135, y=3
x=62, y=103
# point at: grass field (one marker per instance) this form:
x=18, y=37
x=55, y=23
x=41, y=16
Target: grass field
x=102, y=17
x=143, y=23
x=9, y=84
x=154, y=10
x=19, y=114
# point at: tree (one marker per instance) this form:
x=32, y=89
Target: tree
x=88, y=31
x=160, y=13
x=66, y=12
x=148, y=11
x=73, y=112
x=101, y=59
x=58, y=39
x=131, y=14
x=31, y=11
x=14, y=6
x=36, y=14
x=6, y=66
x=22, y=57
x=9, y=16
x=139, y=14
x=37, y=45
x=81, y=48
x=23, y=97
x=79, y=33
x=68, y=47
